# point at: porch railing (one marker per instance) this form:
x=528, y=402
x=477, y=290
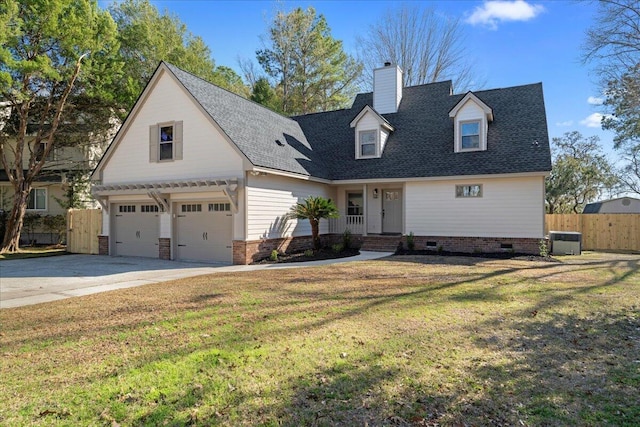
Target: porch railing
x=353, y=223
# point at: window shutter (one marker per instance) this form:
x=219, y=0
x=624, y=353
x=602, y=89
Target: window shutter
x=177, y=140
x=154, y=140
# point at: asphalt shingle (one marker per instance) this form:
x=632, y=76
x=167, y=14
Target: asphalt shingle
x=323, y=144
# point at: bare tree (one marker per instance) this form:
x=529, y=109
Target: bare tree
x=613, y=41
x=427, y=45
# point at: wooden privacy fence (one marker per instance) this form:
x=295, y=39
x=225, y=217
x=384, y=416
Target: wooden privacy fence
x=83, y=228
x=600, y=231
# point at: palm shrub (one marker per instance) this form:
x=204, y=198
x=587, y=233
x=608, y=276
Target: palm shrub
x=314, y=208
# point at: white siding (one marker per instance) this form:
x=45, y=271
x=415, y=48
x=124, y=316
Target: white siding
x=370, y=122
x=387, y=89
x=269, y=199
x=471, y=111
x=509, y=207
x=205, y=154
x=384, y=135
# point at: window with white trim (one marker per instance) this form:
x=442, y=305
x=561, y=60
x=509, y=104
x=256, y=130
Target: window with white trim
x=37, y=199
x=473, y=190
x=367, y=140
x=354, y=203
x=470, y=135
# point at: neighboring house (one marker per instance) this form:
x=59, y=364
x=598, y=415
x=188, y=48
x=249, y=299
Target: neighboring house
x=199, y=173
x=618, y=205
x=62, y=164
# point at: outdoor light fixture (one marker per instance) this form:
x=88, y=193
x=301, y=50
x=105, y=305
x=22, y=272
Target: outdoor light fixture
x=375, y=193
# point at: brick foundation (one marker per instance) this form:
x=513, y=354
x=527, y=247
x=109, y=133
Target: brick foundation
x=455, y=244
x=255, y=250
x=164, y=248
x=103, y=245
x=251, y=251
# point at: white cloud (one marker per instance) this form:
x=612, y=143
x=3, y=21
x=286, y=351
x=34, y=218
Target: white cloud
x=595, y=100
x=565, y=124
x=592, y=121
x=494, y=11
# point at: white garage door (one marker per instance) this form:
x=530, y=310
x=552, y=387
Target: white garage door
x=136, y=230
x=204, y=231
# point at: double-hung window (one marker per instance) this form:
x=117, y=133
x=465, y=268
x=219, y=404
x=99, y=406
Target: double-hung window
x=368, y=140
x=166, y=142
x=354, y=203
x=470, y=135
x=37, y=199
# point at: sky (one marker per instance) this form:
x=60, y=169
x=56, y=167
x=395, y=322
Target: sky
x=511, y=42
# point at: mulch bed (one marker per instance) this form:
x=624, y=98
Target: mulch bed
x=322, y=254
x=492, y=255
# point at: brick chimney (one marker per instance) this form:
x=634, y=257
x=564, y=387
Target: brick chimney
x=387, y=88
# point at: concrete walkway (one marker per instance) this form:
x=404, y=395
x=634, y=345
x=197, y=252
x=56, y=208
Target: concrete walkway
x=36, y=280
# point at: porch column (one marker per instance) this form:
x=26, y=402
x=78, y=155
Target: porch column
x=365, y=202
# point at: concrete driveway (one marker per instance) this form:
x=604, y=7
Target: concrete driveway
x=37, y=280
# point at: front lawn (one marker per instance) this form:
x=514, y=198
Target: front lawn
x=405, y=341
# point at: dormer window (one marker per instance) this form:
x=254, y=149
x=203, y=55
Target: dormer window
x=371, y=133
x=367, y=143
x=471, y=118
x=470, y=135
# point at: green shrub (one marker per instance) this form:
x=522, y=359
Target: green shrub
x=544, y=249
x=346, y=239
x=30, y=223
x=274, y=255
x=308, y=253
x=411, y=243
x=56, y=224
x=337, y=248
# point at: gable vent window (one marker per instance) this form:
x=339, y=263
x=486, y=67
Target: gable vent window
x=474, y=190
x=367, y=143
x=470, y=132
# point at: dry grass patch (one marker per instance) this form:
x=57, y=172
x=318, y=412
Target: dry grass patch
x=404, y=341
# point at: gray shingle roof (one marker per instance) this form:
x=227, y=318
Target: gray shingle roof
x=422, y=144
x=323, y=144
x=266, y=138
x=592, y=208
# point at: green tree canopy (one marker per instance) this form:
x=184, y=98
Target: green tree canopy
x=314, y=208
x=57, y=65
x=147, y=37
x=580, y=173
x=308, y=64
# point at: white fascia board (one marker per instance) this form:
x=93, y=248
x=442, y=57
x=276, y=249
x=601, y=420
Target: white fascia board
x=439, y=178
x=367, y=109
x=471, y=97
x=288, y=174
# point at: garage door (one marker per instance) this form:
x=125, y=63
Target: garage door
x=204, y=231
x=136, y=230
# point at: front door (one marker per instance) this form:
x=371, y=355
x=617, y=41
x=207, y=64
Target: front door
x=392, y=211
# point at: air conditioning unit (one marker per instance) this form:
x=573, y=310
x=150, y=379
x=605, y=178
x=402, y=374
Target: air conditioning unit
x=565, y=242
